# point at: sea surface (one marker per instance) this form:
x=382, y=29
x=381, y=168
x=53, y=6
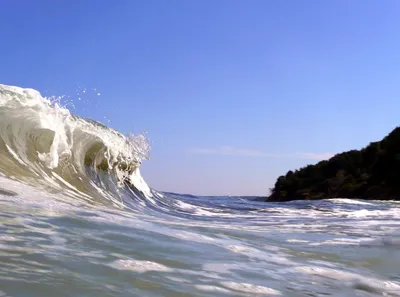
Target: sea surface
x=77, y=219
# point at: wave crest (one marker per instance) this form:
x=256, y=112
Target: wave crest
x=41, y=142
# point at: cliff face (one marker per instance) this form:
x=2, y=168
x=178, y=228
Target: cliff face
x=370, y=173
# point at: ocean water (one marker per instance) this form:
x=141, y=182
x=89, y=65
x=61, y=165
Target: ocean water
x=77, y=219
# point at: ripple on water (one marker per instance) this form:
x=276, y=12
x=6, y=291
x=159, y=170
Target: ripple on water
x=7, y=193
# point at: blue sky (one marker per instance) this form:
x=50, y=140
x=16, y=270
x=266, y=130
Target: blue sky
x=232, y=94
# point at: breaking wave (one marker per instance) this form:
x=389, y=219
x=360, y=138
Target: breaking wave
x=44, y=145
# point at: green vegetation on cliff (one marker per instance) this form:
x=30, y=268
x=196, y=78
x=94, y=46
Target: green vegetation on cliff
x=370, y=173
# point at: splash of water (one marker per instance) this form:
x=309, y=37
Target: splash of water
x=46, y=144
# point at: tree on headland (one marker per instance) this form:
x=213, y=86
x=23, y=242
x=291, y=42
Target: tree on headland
x=370, y=173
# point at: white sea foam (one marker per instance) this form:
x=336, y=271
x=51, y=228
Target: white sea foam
x=250, y=288
x=342, y=241
x=212, y=289
x=276, y=257
x=194, y=237
x=140, y=266
x=354, y=280
x=297, y=240
x=349, y=201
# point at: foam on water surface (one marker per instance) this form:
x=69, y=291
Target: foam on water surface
x=250, y=288
x=140, y=266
